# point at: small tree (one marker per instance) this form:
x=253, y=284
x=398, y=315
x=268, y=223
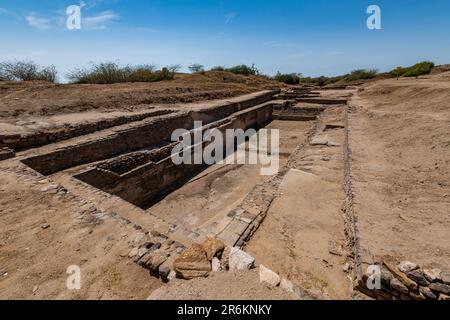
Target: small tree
x=398, y=72
x=196, y=68
x=26, y=71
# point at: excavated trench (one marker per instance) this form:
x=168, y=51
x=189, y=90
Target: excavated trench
x=135, y=162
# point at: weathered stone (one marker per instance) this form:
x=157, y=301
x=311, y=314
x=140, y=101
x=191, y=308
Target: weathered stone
x=192, y=263
x=427, y=293
x=417, y=295
x=224, y=261
x=215, y=264
x=133, y=253
x=445, y=277
x=268, y=277
x=440, y=287
x=166, y=267
x=213, y=247
x=418, y=277
x=399, y=286
x=444, y=297
x=142, y=251
x=400, y=275
x=432, y=275
x=407, y=266
x=45, y=226
x=240, y=260
x=157, y=259
x=287, y=285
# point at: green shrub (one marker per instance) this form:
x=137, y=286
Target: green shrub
x=111, y=72
x=361, y=74
x=196, y=68
x=218, y=68
x=419, y=69
x=244, y=70
x=292, y=78
x=26, y=71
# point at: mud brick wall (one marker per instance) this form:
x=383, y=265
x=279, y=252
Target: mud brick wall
x=136, y=136
x=147, y=181
x=26, y=141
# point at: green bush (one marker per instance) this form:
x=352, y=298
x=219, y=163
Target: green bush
x=292, y=78
x=419, y=69
x=244, y=70
x=416, y=70
x=361, y=74
x=26, y=71
x=196, y=68
x=111, y=72
x=218, y=68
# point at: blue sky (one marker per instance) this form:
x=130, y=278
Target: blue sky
x=314, y=37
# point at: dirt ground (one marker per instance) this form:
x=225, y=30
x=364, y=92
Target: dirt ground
x=400, y=160
x=399, y=139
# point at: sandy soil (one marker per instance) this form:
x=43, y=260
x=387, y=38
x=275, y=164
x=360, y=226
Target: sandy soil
x=34, y=259
x=399, y=138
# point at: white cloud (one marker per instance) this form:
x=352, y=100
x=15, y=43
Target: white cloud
x=38, y=23
x=99, y=21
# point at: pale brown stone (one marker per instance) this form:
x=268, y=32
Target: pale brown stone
x=192, y=263
x=213, y=247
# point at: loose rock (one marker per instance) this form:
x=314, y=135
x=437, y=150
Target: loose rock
x=269, y=277
x=213, y=247
x=192, y=263
x=240, y=260
x=215, y=265
x=418, y=277
x=440, y=287
x=400, y=287
x=432, y=275
x=427, y=293
x=407, y=266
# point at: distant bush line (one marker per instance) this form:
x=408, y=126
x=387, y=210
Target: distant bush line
x=112, y=72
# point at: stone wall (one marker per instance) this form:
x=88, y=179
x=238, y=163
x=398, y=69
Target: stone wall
x=36, y=139
x=405, y=281
x=142, y=177
x=135, y=136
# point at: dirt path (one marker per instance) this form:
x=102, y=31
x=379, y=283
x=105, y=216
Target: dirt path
x=302, y=237
x=399, y=138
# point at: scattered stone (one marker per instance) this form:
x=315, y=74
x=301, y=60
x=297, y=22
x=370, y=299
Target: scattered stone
x=36, y=288
x=166, y=267
x=156, y=259
x=142, y=251
x=432, y=275
x=192, y=263
x=335, y=248
x=45, y=226
x=444, y=297
x=445, y=277
x=427, y=293
x=346, y=267
x=240, y=260
x=172, y=275
x=49, y=188
x=407, y=266
x=224, y=261
x=133, y=253
x=399, y=286
x=417, y=295
x=213, y=247
x=440, y=287
x=418, y=277
x=287, y=285
x=269, y=277
x=215, y=264
x=139, y=238
x=400, y=275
